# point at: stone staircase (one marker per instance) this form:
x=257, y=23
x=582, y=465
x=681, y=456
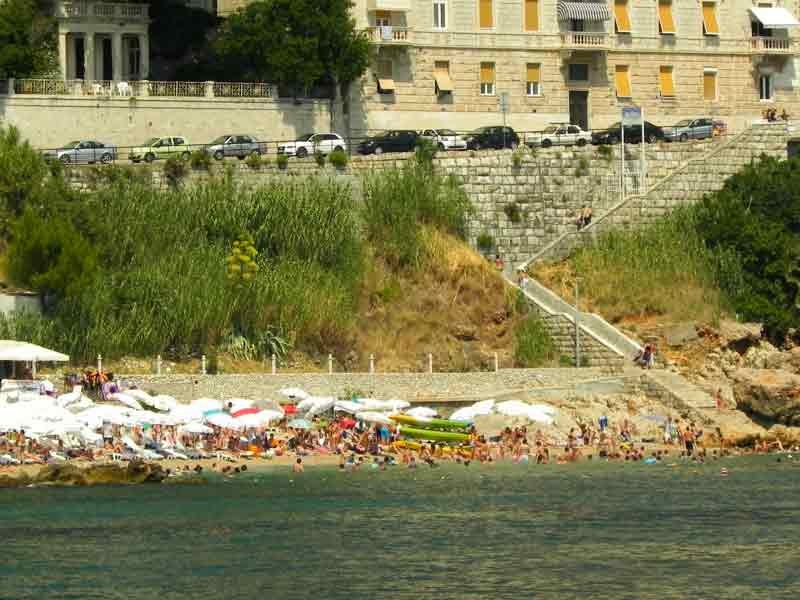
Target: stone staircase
x=681, y=392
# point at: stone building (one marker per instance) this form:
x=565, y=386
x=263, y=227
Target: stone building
x=103, y=41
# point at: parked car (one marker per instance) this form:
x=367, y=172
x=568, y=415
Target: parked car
x=492, y=137
x=398, y=140
x=690, y=129
x=445, y=139
x=238, y=145
x=633, y=134
x=83, y=151
x=560, y=135
x=161, y=147
x=313, y=142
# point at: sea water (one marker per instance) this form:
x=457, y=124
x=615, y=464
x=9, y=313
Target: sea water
x=593, y=530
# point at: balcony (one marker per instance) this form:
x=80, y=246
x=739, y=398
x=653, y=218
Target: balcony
x=585, y=40
x=770, y=45
x=102, y=11
x=395, y=36
x=390, y=5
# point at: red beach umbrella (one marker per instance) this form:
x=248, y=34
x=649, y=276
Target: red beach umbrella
x=245, y=411
x=289, y=409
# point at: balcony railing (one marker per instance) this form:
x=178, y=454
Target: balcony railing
x=101, y=10
x=390, y=35
x=392, y=5
x=770, y=45
x=584, y=39
x=159, y=89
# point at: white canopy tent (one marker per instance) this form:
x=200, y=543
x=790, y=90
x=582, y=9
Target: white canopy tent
x=14, y=351
x=774, y=17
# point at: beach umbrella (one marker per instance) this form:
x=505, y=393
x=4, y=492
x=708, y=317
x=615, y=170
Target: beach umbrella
x=270, y=415
x=126, y=399
x=245, y=411
x=294, y=393
x=195, y=427
x=421, y=412
x=223, y=420
x=204, y=404
x=320, y=406
x=290, y=409
x=347, y=423
x=300, y=424
x=374, y=417
x=267, y=404
x=349, y=406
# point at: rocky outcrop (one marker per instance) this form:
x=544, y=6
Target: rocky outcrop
x=768, y=393
x=68, y=474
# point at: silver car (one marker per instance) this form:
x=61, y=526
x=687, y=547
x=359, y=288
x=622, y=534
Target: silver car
x=690, y=129
x=234, y=144
x=83, y=151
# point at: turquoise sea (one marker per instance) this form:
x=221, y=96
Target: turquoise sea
x=622, y=531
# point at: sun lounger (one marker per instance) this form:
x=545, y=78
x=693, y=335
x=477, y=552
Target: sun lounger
x=7, y=459
x=139, y=451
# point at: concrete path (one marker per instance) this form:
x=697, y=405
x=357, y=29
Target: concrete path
x=682, y=390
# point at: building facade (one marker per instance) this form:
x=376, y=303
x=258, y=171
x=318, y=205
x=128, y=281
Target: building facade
x=447, y=62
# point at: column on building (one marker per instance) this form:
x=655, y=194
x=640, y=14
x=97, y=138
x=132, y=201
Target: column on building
x=63, y=53
x=116, y=56
x=88, y=56
x=144, y=59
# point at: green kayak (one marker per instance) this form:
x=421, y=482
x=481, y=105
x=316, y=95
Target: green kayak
x=429, y=423
x=434, y=436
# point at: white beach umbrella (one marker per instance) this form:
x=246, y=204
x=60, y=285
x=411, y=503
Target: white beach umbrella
x=237, y=404
x=195, y=427
x=126, y=399
x=206, y=404
x=294, y=393
x=421, y=412
x=320, y=406
x=348, y=406
x=223, y=420
x=374, y=417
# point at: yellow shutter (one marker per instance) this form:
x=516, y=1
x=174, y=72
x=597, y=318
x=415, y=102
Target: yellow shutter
x=441, y=74
x=666, y=82
x=383, y=16
x=710, y=26
x=709, y=86
x=487, y=72
x=531, y=15
x=623, y=81
x=487, y=14
x=665, y=19
x=621, y=16
x=533, y=73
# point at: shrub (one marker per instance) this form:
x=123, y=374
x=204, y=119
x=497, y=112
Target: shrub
x=425, y=151
x=583, y=167
x=606, y=152
x=23, y=173
x=485, y=242
x=254, y=161
x=174, y=170
x=319, y=158
x=119, y=174
x=513, y=212
x=533, y=346
x=338, y=159
x=200, y=160
x=517, y=157
x=282, y=161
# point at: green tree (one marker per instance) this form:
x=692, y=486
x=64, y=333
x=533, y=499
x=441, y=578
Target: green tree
x=27, y=39
x=23, y=176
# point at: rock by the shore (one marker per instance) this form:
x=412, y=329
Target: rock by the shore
x=768, y=393
x=69, y=474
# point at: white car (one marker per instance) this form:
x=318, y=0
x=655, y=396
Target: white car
x=445, y=139
x=313, y=142
x=560, y=135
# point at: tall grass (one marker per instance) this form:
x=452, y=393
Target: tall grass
x=533, y=346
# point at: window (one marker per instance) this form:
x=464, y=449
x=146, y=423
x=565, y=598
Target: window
x=531, y=15
x=385, y=76
x=441, y=75
x=383, y=18
x=666, y=23
x=622, y=19
x=532, y=80
x=578, y=72
x=710, y=26
x=666, y=82
x=486, y=16
x=765, y=87
x=710, y=85
x=487, y=79
x=623, y=81
x=440, y=14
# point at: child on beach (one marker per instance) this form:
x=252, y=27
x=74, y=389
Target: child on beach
x=298, y=466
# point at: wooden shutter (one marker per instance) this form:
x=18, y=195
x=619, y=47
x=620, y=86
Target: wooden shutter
x=487, y=72
x=441, y=74
x=665, y=19
x=621, y=16
x=666, y=82
x=710, y=26
x=487, y=14
x=709, y=86
x=533, y=73
x=531, y=15
x=623, y=81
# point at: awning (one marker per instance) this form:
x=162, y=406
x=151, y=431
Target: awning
x=774, y=18
x=386, y=85
x=586, y=11
x=443, y=81
x=12, y=350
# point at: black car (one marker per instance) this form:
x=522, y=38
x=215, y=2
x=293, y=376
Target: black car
x=492, y=137
x=400, y=140
x=633, y=134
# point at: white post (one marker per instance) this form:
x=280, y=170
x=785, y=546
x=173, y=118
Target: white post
x=430, y=362
x=99, y=363
x=330, y=364
x=33, y=370
x=274, y=364
x=203, y=364
x=116, y=57
x=158, y=365
x=371, y=363
x=641, y=158
x=496, y=363
x=63, y=53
